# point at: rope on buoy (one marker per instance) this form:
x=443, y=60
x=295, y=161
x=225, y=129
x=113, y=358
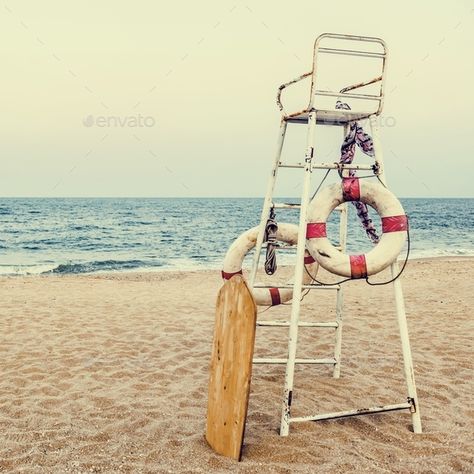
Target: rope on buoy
x=270, y=238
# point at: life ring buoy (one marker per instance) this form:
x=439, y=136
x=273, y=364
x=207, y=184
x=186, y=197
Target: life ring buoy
x=287, y=233
x=394, y=228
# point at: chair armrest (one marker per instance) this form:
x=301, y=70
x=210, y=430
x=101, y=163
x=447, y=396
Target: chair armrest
x=360, y=84
x=286, y=84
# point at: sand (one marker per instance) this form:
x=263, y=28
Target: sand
x=109, y=374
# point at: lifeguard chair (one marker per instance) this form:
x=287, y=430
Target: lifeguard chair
x=367, y=98
x=236, y=316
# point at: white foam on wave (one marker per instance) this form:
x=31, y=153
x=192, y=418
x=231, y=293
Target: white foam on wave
x=187, y=264
x=26, y=269
x=439, y=252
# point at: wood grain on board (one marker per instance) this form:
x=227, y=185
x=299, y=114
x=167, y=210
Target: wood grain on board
x=231, y=367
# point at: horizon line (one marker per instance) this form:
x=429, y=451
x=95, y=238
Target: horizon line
x=206, y=197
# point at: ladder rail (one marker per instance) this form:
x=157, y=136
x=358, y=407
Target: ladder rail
x=340, y=294
x=296, y=303
x=267, y=203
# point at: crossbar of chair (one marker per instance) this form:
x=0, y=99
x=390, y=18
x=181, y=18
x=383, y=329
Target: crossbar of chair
x=328, y=166
x=347, y=96
x=357, y=412
x=352, y=52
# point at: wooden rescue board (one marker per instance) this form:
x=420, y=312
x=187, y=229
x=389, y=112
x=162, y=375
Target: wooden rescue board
x=231, y=367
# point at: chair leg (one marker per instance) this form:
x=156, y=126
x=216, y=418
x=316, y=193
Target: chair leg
x=407, y=357
x=399, y=301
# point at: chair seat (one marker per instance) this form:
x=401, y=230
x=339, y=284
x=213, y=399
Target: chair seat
x=328, y=117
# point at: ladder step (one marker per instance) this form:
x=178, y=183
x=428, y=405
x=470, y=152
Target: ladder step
x=287, y=247
x=361, y=411
x=290, y=205
x=327, y=166
x=304, y=287
x=286, y=205
x=291, y=165
x=335, y=166
x=281, y=246
x=270, y=360
x=302, y=324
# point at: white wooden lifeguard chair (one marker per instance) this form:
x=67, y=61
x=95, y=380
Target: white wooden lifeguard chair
x=317, y=113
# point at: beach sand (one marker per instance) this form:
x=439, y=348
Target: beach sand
x=108, y=373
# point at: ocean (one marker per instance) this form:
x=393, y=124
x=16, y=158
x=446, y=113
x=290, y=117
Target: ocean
x=85, y=235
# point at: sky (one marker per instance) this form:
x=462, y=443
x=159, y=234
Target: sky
x=152, y=98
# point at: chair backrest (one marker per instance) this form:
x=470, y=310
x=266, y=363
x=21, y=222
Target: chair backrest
x=341, y=45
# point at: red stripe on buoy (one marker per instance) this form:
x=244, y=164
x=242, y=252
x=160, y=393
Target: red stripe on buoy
x=308, y=260
x=350, y=189
x=275, y=294
x=358, y=266
x=228, y=276
x=394, y=224
x=315, y=230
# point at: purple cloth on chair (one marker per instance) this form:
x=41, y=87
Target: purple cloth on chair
x=357, y=136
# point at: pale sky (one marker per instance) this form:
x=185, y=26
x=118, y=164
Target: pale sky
x=201, y=78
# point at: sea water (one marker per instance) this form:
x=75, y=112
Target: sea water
x=83, y=235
